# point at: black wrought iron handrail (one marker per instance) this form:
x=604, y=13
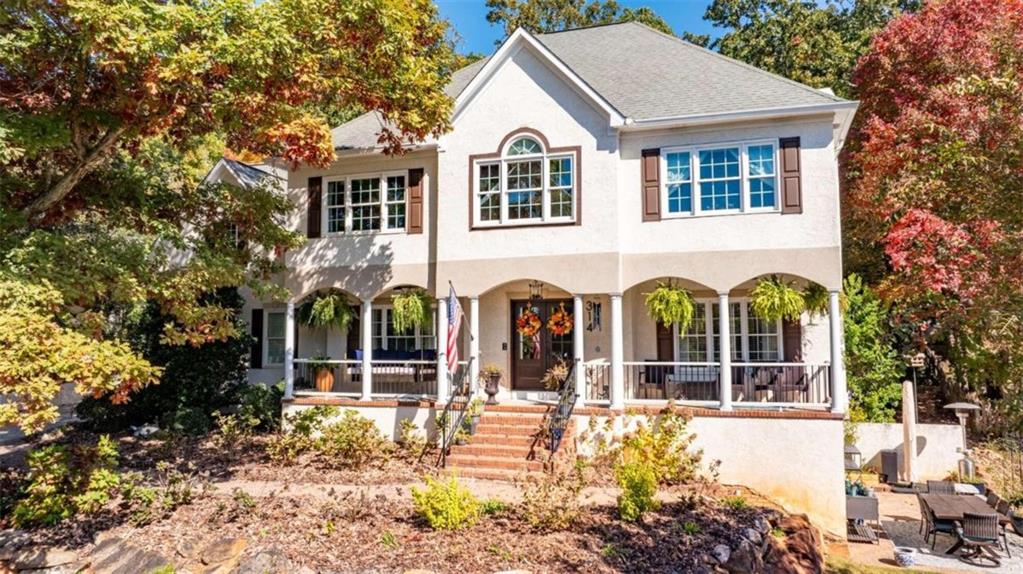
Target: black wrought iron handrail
x=461, y=388
x=557, y=421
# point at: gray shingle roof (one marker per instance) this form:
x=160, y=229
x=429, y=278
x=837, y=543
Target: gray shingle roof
x=642, y=73
x=249, y=176
x=649, y=74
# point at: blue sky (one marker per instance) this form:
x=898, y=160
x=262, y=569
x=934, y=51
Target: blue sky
x=469, y=19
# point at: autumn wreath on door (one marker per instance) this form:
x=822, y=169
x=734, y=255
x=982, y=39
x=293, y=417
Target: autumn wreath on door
x=560, y=321
x=528, y=325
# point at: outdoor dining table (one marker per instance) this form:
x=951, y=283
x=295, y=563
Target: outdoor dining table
x=951, y=507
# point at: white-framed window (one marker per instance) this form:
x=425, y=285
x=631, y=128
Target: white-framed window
x=273, y=335
x=719, y=178
x=365, y=203
x=527, y=184
x=754, y=340
x=385, y=336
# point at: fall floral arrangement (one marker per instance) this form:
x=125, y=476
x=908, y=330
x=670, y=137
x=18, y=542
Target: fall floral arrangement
x=528, y=323
x=560, y=321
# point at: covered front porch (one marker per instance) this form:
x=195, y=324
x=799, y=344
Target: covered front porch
x=730, y=359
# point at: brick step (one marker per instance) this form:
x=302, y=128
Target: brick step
x=507, y=430
x=489, y=473
x=501, y=439
x=518, y=452
x=491, y=462
x=512, y=419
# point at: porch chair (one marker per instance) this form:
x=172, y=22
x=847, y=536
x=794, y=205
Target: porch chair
x=941, y=487
x=979, y=535
x=932, y=526
x=1003, y=509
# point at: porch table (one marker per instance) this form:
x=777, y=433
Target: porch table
x=951, y=507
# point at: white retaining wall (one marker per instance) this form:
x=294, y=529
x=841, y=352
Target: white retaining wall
x=937, y=446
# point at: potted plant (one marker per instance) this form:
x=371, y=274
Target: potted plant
x=773, y=298
x=328, y=310
x=474, y=411
x=323, y=372
x=490, y=376
x=411, y=309
x=670, y=304
x=461, y=436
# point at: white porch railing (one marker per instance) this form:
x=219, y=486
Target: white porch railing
x=390, y=378
x=699, y=383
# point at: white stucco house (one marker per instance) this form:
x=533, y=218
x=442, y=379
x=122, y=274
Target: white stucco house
x=583, y=167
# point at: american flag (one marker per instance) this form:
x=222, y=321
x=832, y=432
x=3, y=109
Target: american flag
x=455, y=317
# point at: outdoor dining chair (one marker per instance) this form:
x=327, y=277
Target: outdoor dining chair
x=1004, y=509
x=992, y=499
x=932, y=526
x=979, y=535
x=941, y=487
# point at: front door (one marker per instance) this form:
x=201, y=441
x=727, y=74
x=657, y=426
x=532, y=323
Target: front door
x=533, y=354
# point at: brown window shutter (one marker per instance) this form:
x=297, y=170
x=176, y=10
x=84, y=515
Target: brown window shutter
x=256, y=326
x=414, y=223
x=665, y=344
x=791, y=182
x=315, y=208
x=792, y=340
x=652, y=184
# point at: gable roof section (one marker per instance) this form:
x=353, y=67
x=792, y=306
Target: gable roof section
x=248, y=176
x=641, y=78
x=521, y=39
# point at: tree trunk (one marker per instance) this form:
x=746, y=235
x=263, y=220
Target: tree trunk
x=65, y=184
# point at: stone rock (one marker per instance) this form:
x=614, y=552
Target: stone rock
x=223, y=550
x=800, y=552
x=752, y=535
x=763, y=526
x=39, y=558
x=270, y=561
x=513, y=572
x=721, y=553
x=745, y=559
x=188, y=549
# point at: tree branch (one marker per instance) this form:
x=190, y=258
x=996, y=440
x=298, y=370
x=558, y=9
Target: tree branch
x=65, y=184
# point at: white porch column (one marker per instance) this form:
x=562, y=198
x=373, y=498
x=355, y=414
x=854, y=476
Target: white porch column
x=578, y=348
x=725, y=348
x=617, y=353
x=442, y=350
x=367, y=349
x=474, y=341
x=839, y=394
x=289, y=351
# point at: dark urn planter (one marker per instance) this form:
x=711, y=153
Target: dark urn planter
x=493, y=385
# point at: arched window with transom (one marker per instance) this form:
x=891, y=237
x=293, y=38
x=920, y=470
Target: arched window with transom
x=526, y=182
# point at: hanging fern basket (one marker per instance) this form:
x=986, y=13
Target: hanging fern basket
x=671, y=305
x=329, y=310
x=411, y=309
x=773, y=299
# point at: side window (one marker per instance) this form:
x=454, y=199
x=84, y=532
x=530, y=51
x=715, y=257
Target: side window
x=275, y=328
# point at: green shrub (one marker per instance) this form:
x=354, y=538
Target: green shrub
x=296, y=437
x=63, y=482
x=411, y=438
x=873, y=366
x=552, y=502
x=148, y=503
x=196, y=382
x=638, y=482
x=663, y=444
x=735, y=502
x=691, y=528
x=352, y=442
x=446, y=505
x=492, y=506
x=261, y=403
x=232, y=428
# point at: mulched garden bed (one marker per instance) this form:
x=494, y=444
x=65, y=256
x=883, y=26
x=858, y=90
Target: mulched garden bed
x=353, y=531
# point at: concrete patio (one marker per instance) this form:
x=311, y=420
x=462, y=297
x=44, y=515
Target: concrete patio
x=900, y=517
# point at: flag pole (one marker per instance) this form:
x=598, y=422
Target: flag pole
x=468, y=326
